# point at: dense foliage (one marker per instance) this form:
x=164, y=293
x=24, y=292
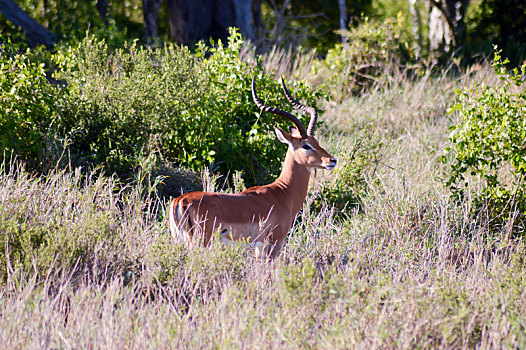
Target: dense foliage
x=490, y=141
x=313, y=24
x=119, y=108
x=28, y=106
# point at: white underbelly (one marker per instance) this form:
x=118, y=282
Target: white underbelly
x=246, y=233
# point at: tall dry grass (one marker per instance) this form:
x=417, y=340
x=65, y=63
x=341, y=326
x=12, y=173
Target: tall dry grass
x=406, y=268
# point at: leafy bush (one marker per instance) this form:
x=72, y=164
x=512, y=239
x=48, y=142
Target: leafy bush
x=126, y=107
x=194, y=110
x=368, y=52
x=27, y=105
x=490, y=141
x=118, y=103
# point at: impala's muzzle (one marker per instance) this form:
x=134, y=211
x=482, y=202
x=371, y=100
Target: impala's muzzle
x=331, y=164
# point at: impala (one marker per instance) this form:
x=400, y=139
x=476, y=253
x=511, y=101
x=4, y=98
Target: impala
x=260, y=215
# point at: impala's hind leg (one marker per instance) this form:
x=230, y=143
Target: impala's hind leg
x=175, y=220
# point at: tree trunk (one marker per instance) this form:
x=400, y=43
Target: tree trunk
x=416, y=26
x=194, y=20
x=244, y=18
x=439, y=33
x=256, y=14
x=150, y=10
x=102, y=7
x=176, y=19
x=343, y=17
x=454, y=12
x=36, y=34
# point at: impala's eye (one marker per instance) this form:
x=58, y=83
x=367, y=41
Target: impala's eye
x=307, y=147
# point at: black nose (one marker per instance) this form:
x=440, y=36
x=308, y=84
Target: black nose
x=334, y=161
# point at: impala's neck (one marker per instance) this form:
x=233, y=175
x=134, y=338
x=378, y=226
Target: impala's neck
x=294, y=181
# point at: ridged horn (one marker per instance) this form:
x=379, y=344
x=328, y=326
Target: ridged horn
x=310, y=110
x=277, y=111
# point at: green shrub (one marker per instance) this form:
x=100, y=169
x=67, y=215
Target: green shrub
x=501, y=22
x=490, y=142
x=27, y=105
x=121, y=108
x=118, y=103
x=193, y=110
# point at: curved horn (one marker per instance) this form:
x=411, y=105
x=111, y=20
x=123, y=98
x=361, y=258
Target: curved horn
x=277, y=111
x=310, y=110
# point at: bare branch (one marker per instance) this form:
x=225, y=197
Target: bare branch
x=36, y=33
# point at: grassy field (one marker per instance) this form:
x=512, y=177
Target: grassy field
x=402, y=267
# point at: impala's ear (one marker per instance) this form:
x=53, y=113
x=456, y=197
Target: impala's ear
x=282, y=136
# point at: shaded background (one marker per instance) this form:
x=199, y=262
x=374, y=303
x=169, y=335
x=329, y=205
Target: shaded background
x=465, y=27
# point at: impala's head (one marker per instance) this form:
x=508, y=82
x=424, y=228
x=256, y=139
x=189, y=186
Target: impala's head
x=302, y=143
x=306, y=151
